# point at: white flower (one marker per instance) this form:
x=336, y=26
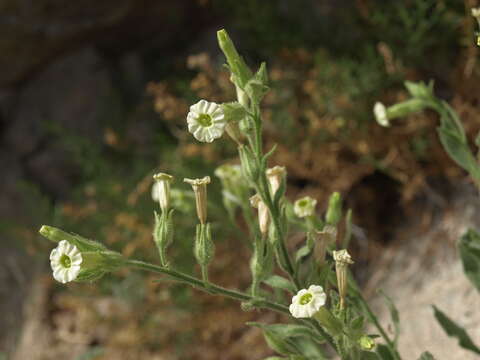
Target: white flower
x=380, y=112
x=161, y=190
x=206, y=121
x=65, y=261
x=476, y=12
x=304, y=207
x=308, y=302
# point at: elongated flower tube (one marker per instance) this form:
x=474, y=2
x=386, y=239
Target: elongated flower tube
x=161, y=190
x=200, y=189
x=263, y=213
x=206, y=121
x=342, y=260
x=66, y=261
x=304, y=207
x=275, y=177
x=307, y=302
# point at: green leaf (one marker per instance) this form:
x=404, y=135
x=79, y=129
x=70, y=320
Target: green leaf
x=454, y=330
x=286, y=330
x=469, y=248
x=302, y=252
x=275, y=336
x=384, y=352
x=368, y=355
x=458, y=149
x=426, y=356
x=279, y=282
x=393, y=314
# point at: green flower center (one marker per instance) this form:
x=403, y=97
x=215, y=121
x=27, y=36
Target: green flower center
x=205, y=120
x=305, y=299
x=65, y=261
x=303, y=203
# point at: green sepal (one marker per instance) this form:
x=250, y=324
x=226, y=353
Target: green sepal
x=163, y=233
x=95, y=264
x=234, y=111
x=420, y=90
x=257, y=86
x=204, y=248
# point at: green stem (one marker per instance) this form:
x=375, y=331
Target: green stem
x=209, y=288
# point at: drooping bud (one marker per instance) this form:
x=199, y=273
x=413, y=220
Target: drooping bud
x=342, y=260
x=200, y=189
x=305, y=207
x=263, y=213
x=161, y=190
x=275, y=177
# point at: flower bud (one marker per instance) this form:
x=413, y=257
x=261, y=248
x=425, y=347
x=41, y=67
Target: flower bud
x=161, y=190
x=263, y=213
x=334, y=211
x=305, y=207
x=200, y=189
x=275, y=177
x=342, y=260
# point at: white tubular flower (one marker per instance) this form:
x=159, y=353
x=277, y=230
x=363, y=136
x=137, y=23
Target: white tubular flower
x=206, y=121
x=161, y=190
x=65, y=261
x=380, y=112
x=308, y=302
x=304, y=207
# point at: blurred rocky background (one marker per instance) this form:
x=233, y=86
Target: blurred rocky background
x=93, y=98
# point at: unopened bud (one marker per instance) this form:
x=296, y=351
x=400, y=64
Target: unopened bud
x=334, y=211
x=263, y=213
x=275, y=177
x=161, y=190
x=200, y=189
